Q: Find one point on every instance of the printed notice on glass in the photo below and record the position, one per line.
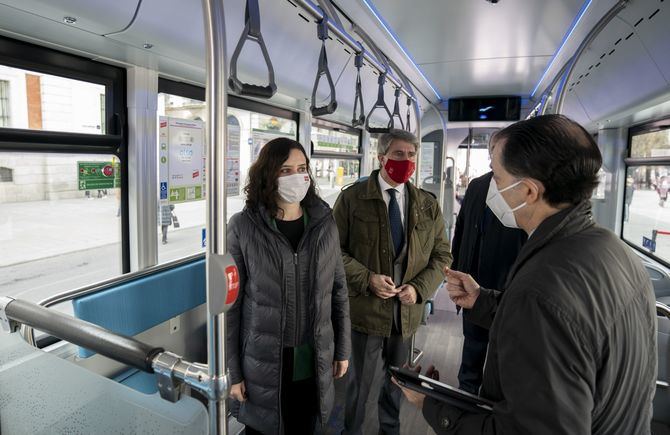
(181, 160)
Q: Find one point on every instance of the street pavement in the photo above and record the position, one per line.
(47, 247)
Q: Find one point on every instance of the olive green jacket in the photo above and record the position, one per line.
(365, 239)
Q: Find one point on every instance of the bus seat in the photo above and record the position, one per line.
(135, 306)
(138, 380)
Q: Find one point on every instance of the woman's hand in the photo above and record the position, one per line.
(238, 392)
(340, 368)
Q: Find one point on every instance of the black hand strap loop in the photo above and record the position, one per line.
(409, 105)
(396, 108)
(380, 104)
(358, 98)
(252, 31)
(331, 107)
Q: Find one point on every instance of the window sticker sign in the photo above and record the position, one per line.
(181, 159)
(98, 175)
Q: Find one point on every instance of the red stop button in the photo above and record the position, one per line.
(232, 283)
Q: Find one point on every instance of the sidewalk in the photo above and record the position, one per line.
(42, 229)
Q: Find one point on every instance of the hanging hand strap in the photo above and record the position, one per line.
(380, 104)
(396, 108)
(409, 105)
(252, 31)
(322, 33)
(358, 99)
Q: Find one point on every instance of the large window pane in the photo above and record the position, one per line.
(37, 101)
(60, 225)
(181, 225)
(647, 210)
(332, 174)
(651, 144)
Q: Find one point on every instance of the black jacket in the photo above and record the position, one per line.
(480, 239)
(573, 343)
(269, 272)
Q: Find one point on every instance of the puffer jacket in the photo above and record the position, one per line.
(269, 271)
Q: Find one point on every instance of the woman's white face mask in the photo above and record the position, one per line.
(293, 188)
(499, 206)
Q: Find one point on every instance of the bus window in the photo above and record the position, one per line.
(646, 220)
(37, 101)
(60, 222)
(181, 220)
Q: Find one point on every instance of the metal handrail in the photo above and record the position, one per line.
(28, 332)
(602, 23)
(348, 40)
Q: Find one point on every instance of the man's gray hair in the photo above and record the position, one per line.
(395, 134)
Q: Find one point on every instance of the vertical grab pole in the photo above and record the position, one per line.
(218, 290)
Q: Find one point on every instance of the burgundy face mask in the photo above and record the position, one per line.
(400, 170)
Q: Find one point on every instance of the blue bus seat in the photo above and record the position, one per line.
(138, 380)
(135, 306)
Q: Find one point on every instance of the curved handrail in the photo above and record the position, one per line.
(331, 107)
(28, 332)
(602, 23)
(252, 31)
(663, 309)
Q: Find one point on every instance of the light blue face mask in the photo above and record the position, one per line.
(498, 205)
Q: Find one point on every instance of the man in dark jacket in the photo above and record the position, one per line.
(573, 341)
(394, 247)
(484, 248)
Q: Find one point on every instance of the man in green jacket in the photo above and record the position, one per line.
(394, 247)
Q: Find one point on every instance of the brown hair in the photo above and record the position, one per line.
(261, 188)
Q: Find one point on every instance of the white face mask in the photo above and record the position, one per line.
(293, 188)
(499, 206)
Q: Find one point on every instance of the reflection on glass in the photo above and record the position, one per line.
(372, 152)
(333, 174)
(646, 210)
(180, 226)
(652, 144)
(60, 225)
(37, 101)
(327, 140)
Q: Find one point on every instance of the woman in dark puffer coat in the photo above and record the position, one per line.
(289, 332)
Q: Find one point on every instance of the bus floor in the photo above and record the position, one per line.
(441, 341)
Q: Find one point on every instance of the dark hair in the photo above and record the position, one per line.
(556, 151)
(261, 188)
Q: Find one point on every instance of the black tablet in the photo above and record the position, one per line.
(441, 391)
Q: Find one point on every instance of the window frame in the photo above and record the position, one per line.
(633, 162)
(23, 55)
(187, 90)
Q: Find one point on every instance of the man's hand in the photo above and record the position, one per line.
(407, 294)
(340, 368)
(383, 286)
(463, 289)
(415, 397)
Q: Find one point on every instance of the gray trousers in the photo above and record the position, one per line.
(365, 353)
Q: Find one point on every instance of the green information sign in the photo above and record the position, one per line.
(98, 175)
